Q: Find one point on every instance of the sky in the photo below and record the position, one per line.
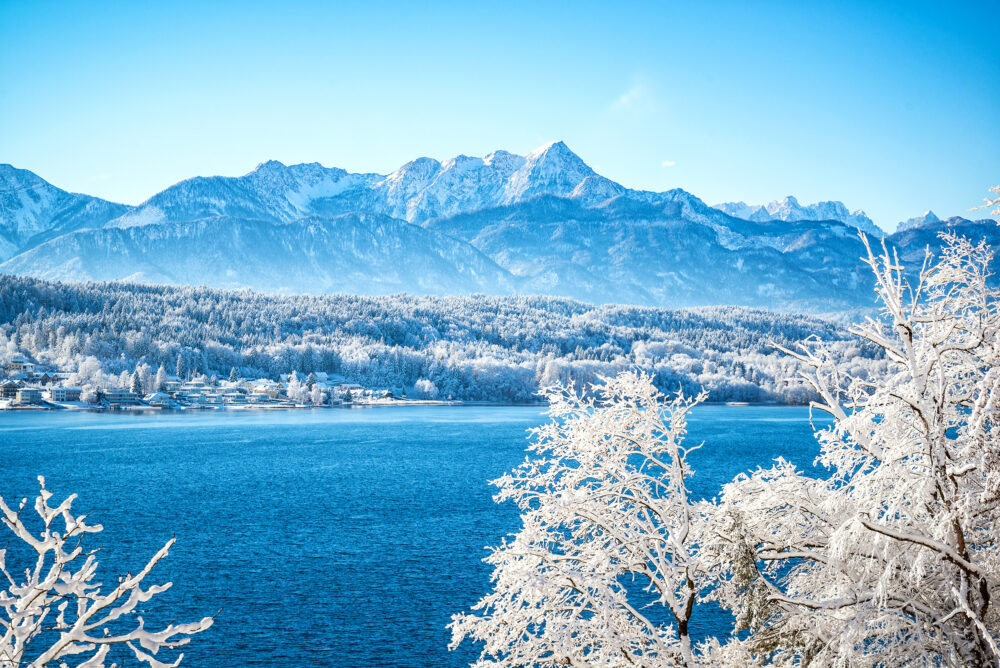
(891, 108)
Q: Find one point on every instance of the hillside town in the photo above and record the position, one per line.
(28, 385)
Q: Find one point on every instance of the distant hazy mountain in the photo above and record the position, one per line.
(33, 210)
(357, 253)
(913, 240)
(789, 210)
(544, 222)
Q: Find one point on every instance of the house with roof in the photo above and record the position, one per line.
(9, 388)
(19, 365)
(159, 399)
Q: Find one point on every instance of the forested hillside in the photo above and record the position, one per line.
(472, 348)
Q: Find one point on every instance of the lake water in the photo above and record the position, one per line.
(329, 537)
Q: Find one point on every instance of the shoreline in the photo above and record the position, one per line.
(240, 408)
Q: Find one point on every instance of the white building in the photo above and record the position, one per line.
(29, 395)
(65, 393)
(121, 397)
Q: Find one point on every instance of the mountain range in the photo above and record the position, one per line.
(544, 222)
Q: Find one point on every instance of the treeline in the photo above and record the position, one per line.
(472, 348)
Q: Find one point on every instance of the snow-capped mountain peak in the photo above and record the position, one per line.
(270, 166)
(551, 169)
(927, 218)
(789, 203)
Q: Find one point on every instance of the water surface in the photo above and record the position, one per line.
(328, 537)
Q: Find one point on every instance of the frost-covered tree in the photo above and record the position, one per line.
(993, 201)
(297, 390)
(894, 558)
(604, 571)
(89, 371)
(54, 611)
(161, 379)
(234, 375)
(317, 396)
(426, 389)
(135, 384)
(88, 393)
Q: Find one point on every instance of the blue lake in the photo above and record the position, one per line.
(329, 537)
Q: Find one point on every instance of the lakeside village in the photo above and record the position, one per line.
(26, 385)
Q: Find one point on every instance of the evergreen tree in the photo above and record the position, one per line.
(135, 385)
(181, 366)
(233, 375)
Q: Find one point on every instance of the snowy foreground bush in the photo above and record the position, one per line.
(892, 558)
(53, 611)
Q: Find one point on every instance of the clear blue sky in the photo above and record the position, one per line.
(891, 108)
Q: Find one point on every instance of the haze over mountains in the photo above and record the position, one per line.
(544, 223)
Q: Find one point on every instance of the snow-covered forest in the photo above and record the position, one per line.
(469, 348)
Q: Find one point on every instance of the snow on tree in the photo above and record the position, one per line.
(426, 389)
(135, 384)
(894, 558)
(297, 390)
(181, 366)
(317, 396)
(145, 374)
(161, 379)
(88, 371)
(992, 201)
(234, 375)
(88, 394)
(53, 609)
(606, 521)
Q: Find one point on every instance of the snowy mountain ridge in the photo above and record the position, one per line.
(418, 191)
(789, 210)
(539, 223)
(32, 210)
